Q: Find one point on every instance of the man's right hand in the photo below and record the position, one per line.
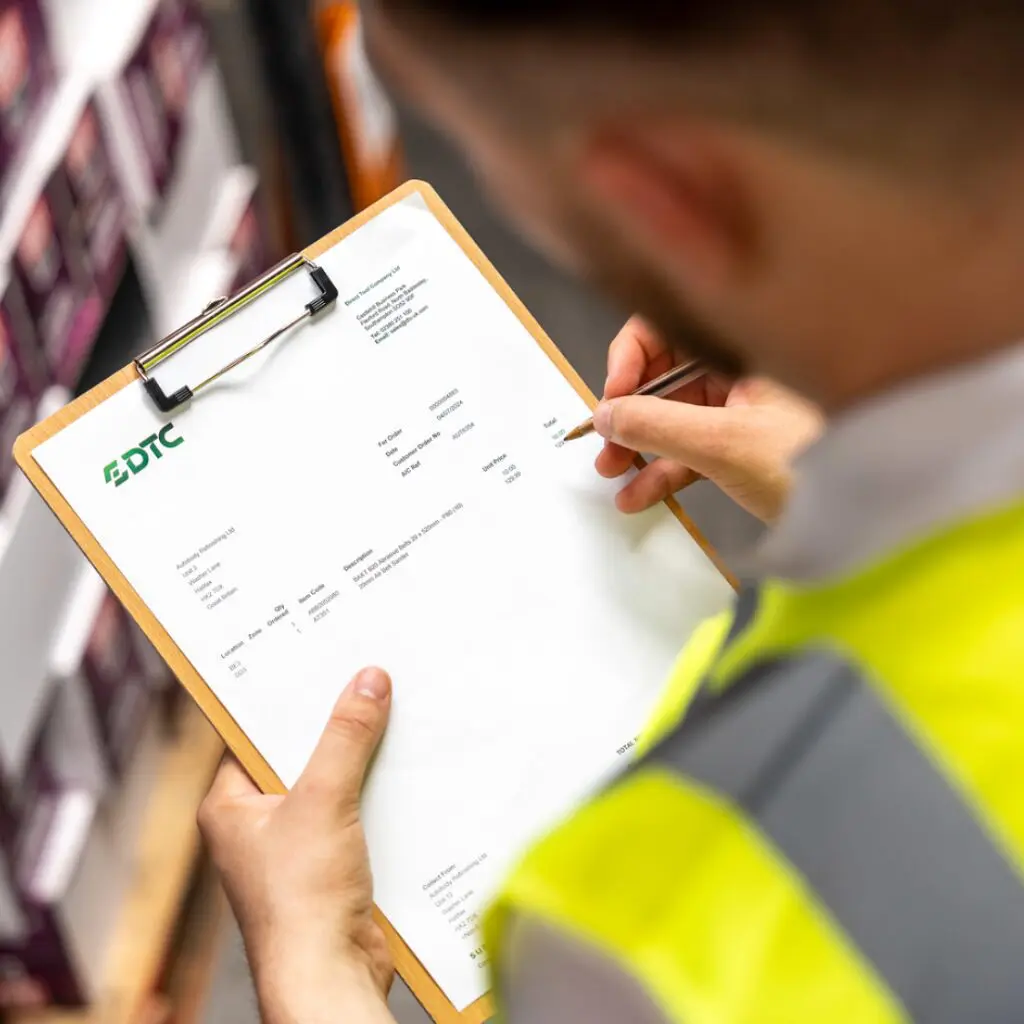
(743, 435)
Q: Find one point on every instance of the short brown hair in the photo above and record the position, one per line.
(960, 61)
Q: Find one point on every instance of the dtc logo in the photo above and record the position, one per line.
(135, 460)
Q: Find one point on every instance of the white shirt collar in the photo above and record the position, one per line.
(901, 466)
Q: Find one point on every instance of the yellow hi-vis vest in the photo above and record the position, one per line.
(832, 830)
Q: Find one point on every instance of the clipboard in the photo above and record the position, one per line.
(409, 967)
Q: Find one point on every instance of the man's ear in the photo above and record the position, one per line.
(673, 191)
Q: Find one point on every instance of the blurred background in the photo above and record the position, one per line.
(154, 155)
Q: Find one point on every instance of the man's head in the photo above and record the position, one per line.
(828, 191)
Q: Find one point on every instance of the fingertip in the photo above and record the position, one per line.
(371, 682)
(613, 460)
(626, 362)
(652, 485)
(621, 381)
(628, 502)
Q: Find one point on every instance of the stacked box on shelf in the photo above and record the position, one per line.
(21, 334)
(51, 265)
(182, 52)
(60, 861)
(235, 227)
(156, 84)
(98, 202)
(17, 405)
(73, 819)
(68, 880)
(169, 91)
(195, 38)
(248, 246)
(120, 692)
(39, 564)
(26, 77)
(68, 901)
(51, 773)
(21, 376)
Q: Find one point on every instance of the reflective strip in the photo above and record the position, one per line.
(939, 625)
(809, 750)
(673, 885)
(687, 674)
(688, 685)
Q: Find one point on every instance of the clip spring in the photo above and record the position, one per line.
(219, 311)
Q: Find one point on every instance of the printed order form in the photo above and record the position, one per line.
(389, 487)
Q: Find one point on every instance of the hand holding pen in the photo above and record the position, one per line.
(743, 435)
(661, 387)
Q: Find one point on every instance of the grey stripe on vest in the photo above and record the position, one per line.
(810, 751)
(551, 977)
(746, 609)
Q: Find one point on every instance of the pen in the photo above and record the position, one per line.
(666, 384)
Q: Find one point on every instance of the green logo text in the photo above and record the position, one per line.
(135, 460)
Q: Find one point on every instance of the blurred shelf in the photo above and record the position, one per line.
(195, 958)
(94, 37)
(104, 37)
(127, 330)
(166, 856)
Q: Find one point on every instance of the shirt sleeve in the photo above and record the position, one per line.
(552, 978)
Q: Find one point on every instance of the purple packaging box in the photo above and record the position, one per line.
(248, 246)
(64, 880)
(146, 659)
(186, 22)
(17, 404)
(35, 967)
(33, 956)
(195, 39)
(119, 689)
(20, 332)
(61, 879)
(158, 82)
(19, 988)
(171, 72)
(66, 755)
(26, 76)
(159, 79)
(146, 104)
(98, 202)
(52, 267)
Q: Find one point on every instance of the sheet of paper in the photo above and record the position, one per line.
(389, 487)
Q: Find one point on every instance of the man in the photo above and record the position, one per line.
(829, 194)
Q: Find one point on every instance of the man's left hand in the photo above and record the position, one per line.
(297, 873)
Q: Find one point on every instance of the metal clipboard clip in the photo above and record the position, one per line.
(219, 311)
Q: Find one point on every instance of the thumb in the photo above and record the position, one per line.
(338, 765)
(698, 436)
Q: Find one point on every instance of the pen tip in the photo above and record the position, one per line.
(581, 431)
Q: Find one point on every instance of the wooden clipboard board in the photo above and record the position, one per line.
(409, 967)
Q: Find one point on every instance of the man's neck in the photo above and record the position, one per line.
(857, 380)
(928, 276)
